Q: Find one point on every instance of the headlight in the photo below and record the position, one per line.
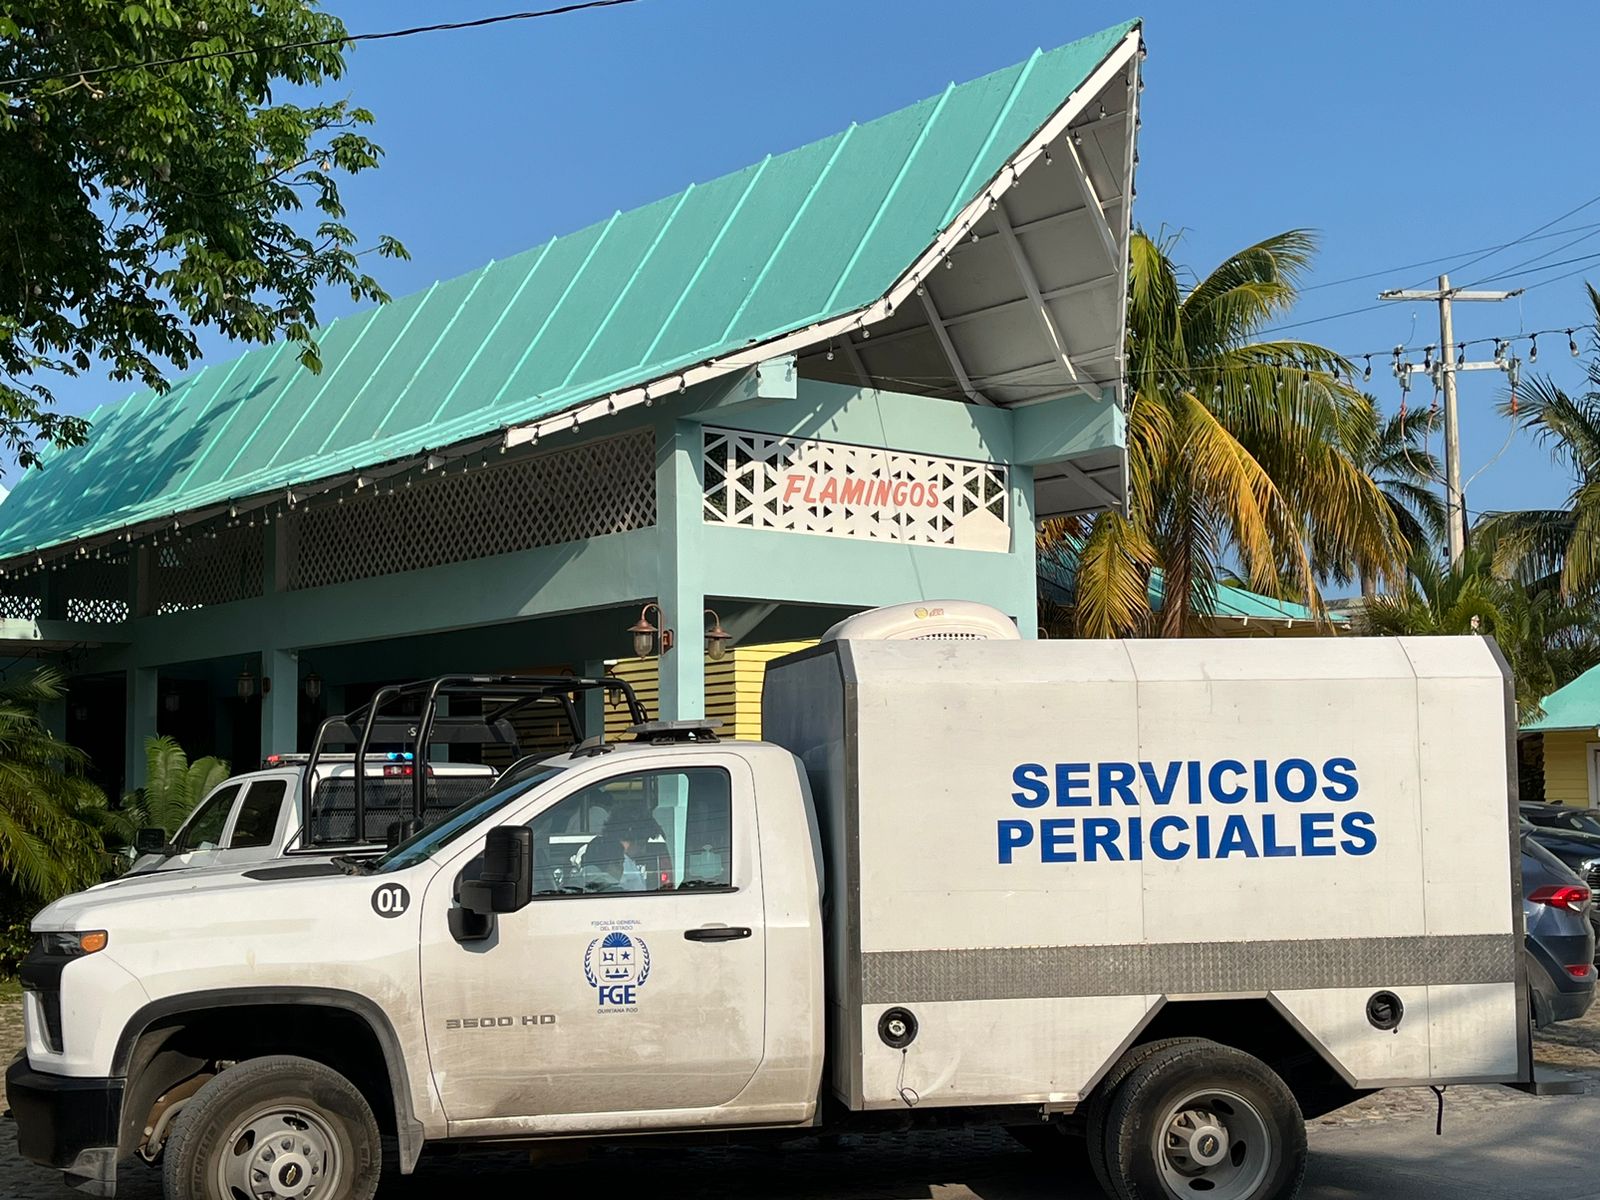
(1588, 866)
(72, 945)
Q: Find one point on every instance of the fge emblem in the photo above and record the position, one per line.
(617, 966)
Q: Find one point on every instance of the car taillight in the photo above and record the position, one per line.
(1581, 970)
(1564, 896)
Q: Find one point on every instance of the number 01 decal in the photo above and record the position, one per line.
(390, 900)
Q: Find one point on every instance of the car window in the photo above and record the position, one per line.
(257, 822)
(647, 831)
(204, 830)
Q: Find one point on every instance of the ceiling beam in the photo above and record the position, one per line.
(1024, 272)
(852, 357)
(1080, 176)
(943, 334)
(1076, 473)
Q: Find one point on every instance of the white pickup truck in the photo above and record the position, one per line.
(313, 803)
(1176, 896)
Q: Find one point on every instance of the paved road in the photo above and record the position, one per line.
(1495, 1145)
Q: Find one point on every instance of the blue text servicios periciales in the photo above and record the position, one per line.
(1310, 830)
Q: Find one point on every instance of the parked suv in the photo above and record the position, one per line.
(1559, 943)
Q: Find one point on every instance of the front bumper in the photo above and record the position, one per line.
(68, 1123)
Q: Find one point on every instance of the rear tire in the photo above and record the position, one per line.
(1203, 1121)
(281, 1123)
(1100, 1100)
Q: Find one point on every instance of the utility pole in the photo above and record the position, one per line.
(1443, 372)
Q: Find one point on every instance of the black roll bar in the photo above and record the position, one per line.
(516, 692)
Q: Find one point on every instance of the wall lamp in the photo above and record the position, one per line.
(245, 684)
(647, 636)
(652, 638)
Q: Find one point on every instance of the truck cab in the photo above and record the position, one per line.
(395, 777)
(255, 817)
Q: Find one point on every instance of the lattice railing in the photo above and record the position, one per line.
(214, 568)
(564, 496)
(799, 486)
(20, 601)
(94, 589)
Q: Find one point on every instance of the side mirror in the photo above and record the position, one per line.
(506, 884)
(150, 840)
(399, 831)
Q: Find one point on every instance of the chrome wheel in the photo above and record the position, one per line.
(1214, 1144)
(279, 1153)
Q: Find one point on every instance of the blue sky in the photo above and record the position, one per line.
(1399, 132)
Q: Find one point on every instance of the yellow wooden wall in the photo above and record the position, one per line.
(733, 688)
(1566, 767)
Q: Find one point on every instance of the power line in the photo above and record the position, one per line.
(1592, 200)
(1425, 262)
(377, 36)
(1511, 270)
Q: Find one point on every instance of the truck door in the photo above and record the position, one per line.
(636, 980)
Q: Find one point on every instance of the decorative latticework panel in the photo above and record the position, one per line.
(218, 567)
(763, 482)
(95, 589)
(564, 496)
(20, 600)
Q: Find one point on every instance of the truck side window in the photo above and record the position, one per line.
(204, 830)
(257, 821)
(649, 831)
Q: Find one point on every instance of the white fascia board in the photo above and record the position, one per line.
(1125, 53)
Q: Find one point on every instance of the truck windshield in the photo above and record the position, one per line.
(414, 849)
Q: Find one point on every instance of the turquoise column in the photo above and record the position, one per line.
(679, 454)
(1024, 552)
(140, 723)
(280, 702)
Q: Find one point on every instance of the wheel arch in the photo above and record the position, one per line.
(150, 1033)
(1260, 1025)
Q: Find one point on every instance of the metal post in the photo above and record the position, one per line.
(1447, 368)
(1454, 504)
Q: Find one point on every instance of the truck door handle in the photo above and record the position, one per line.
(718, 933)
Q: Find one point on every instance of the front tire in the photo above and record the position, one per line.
(1203, 1121)
(275, 1128)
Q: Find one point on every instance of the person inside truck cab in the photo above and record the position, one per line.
(623, 852)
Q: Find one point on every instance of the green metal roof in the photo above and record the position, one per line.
(791, 241)
(1576, 706)
(1235, 602)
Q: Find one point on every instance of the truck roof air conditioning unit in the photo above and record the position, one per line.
(927, 620)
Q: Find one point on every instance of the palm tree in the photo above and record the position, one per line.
(173, 786)
(1393, 452)
(1561, 543)
(49, 812)
(1236, 452)
(1547, 641)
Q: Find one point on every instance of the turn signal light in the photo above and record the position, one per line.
(1568, 897)
(93, 942)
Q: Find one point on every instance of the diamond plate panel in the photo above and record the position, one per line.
(1185, 968)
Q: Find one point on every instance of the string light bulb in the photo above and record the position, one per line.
(1461, 354)
(1366, 375)
(1533, 348)
(1572, 344)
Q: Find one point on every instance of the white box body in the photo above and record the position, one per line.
(1035, 846)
